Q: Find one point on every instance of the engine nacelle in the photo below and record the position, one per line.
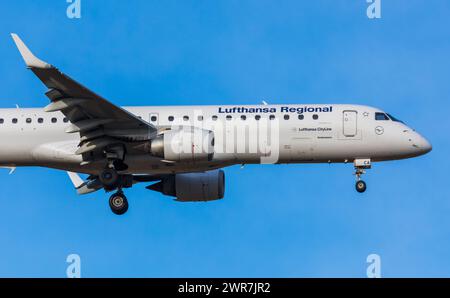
(193, 187)
(187, 144)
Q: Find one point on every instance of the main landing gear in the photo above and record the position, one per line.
(111, 181)
(109, 178)
(118, 203)
(360, 166)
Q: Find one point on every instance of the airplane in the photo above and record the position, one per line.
(180, 150)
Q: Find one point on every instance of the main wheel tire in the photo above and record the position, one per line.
(109, 178)
(118, 203)
(360, 186)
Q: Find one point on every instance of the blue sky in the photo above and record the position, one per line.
(276, 220)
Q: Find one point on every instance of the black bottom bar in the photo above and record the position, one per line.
(227, 287)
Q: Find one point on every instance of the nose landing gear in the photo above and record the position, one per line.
(360, 166)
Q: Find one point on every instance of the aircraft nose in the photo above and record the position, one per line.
(422, 144)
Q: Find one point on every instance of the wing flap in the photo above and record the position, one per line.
(62, 104)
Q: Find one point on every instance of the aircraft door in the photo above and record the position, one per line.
(350, 125)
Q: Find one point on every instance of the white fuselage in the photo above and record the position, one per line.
(301, 133)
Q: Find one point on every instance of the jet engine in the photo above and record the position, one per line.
(187, 144)
(193, 187)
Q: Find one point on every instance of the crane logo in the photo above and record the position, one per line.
(379, 130)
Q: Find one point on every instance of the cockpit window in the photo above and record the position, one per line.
(381, 116)
(394, 119)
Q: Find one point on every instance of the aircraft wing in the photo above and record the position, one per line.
(99, 122)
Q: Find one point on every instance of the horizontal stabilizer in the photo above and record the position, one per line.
(76, 179)
(11, 169)
(84, 187)
(89, 187)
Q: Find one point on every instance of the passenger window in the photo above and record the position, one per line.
(28, 120)
(229, 117)
(243, 117)
(65, 120)
(301, 117)
(286, 117)
(214, 117)
(40, 120)
(381, 116)
(315, 116)
(2, 121)
(54, 120)
(186, 118)
(272, 117)
(170, 118)
(257, 117)
(153, 118)
(200, 118)
(14, 120)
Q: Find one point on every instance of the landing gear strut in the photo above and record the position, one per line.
(118, 203)
(112, 180)
(109, 178)
(360, 166)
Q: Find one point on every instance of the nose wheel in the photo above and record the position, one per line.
(360, 186)
(118, 203)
